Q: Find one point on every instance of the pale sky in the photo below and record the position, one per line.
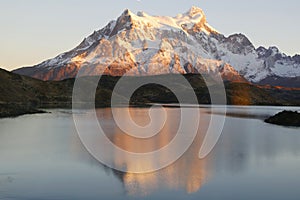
(32, 31)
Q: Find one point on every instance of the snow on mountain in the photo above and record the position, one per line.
(141, 44)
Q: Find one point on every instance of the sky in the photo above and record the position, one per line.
(32, 31)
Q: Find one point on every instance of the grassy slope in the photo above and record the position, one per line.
(22, 90)
(20, 93)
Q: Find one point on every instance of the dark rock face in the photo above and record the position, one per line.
(285, 118)
(190, 69)
(123, 22)
(297, 58)
(239, 44)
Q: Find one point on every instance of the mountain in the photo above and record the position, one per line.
(140, 44)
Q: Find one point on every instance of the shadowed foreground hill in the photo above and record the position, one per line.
(24, 95)
(22, 90)
(21, 94)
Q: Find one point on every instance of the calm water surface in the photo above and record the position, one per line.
(41, 157)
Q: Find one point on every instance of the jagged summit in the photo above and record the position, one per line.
(194, 10)
(127, 14)
(151, 45)
(127, 11)
(194, 20)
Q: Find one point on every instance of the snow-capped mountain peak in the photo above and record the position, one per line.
(150, 45)
(194, 11)
(192, 21)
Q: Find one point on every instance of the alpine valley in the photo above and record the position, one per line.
(142, 45)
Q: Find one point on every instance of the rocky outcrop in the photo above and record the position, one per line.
(285, 118)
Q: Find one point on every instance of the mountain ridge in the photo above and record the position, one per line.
(152, 45)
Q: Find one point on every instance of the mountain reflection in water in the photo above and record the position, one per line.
(188, 173)
(45, 151)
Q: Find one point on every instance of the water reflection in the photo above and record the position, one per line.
(41, 157)
(188, 173)
(239, 149)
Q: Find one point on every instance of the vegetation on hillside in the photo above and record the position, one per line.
(21, 93)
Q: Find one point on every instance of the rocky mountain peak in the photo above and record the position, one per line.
(124, 22)
(274, 49)
(155, 45)
(297, 58)
(194, 11)
(239, 39)
(192, 21)
(196, 19)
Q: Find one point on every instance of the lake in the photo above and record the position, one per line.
(42, 157)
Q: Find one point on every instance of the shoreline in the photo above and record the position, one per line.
(16, 110)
